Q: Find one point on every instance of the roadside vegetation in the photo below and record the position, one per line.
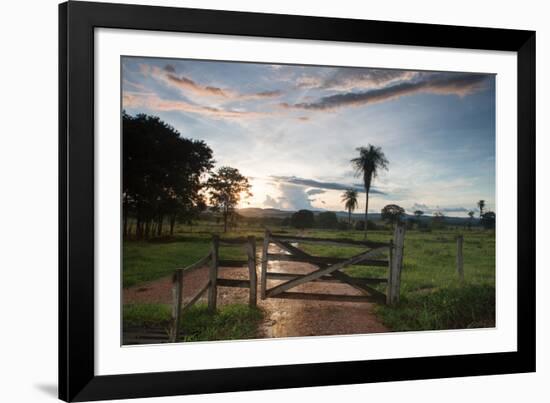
(229, 322)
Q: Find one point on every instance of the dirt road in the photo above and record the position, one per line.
(283, 318)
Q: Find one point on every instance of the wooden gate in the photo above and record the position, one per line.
(329, 269)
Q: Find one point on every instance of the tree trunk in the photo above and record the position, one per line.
(159, 226)
(125, 219)
(366, 212)
(138, 227)
(172, 224)
(349, 217)
(147, 228)
(224, 220)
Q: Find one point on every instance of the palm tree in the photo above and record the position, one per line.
(471, 215)
(371, 159)
(418, 214)
(349, 197)
(481, 205)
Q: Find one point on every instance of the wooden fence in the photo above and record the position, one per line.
(329, 268)
(212, 259)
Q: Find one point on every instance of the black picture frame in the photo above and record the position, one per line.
(77, 21)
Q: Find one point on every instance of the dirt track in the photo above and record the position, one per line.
(284, 318)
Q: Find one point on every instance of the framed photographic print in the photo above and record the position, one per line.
(258, 201)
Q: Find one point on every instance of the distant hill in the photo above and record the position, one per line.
(256, 212)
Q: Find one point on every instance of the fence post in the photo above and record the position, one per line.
(213, 289)
(177, 286)
(390, 266)
(396, 264)
(264, 264)
(251, 252)
(460, 257)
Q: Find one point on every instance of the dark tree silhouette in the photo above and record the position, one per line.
(488, 220)
(161, 173)
(371, 159)
(481, 205)
(226, 187)
(302, 219)
(349, 197)
(392, 213)
(471, 215)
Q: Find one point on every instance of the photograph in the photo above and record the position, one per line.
(264, 200)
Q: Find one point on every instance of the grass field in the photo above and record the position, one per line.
(431, 296)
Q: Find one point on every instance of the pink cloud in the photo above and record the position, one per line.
(154, 103)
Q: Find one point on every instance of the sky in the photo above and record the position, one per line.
(293, 129)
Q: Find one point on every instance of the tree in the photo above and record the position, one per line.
(392, 213)
(302, 219)
(161, 173)
(328, 219)
(371, 159)
(417, 215)
(471, 215)
(226, 186)
(488, 220)
(438, 220)
(349, 197)
(481, 205)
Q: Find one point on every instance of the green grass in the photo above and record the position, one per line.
(230, 322)
(470, 306)
(431, 296)
(147, 261)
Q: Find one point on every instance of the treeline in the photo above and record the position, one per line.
(303, 219)
(161, 177)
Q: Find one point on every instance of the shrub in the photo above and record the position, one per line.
(327, 219)
(360, 225)
(302, 219)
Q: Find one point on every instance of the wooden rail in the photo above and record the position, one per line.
(326, 279)
(328, 297)
(329, 241)
(324, 260)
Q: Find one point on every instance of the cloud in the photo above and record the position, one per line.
(263, 94)
(429, 210)
(348, 78)
(321, 185)
(293, 198)
(168, 76)
(188, 84)
(137, 86)
(460, 84)
(155, 103)
(312, 192)
(274, 203)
